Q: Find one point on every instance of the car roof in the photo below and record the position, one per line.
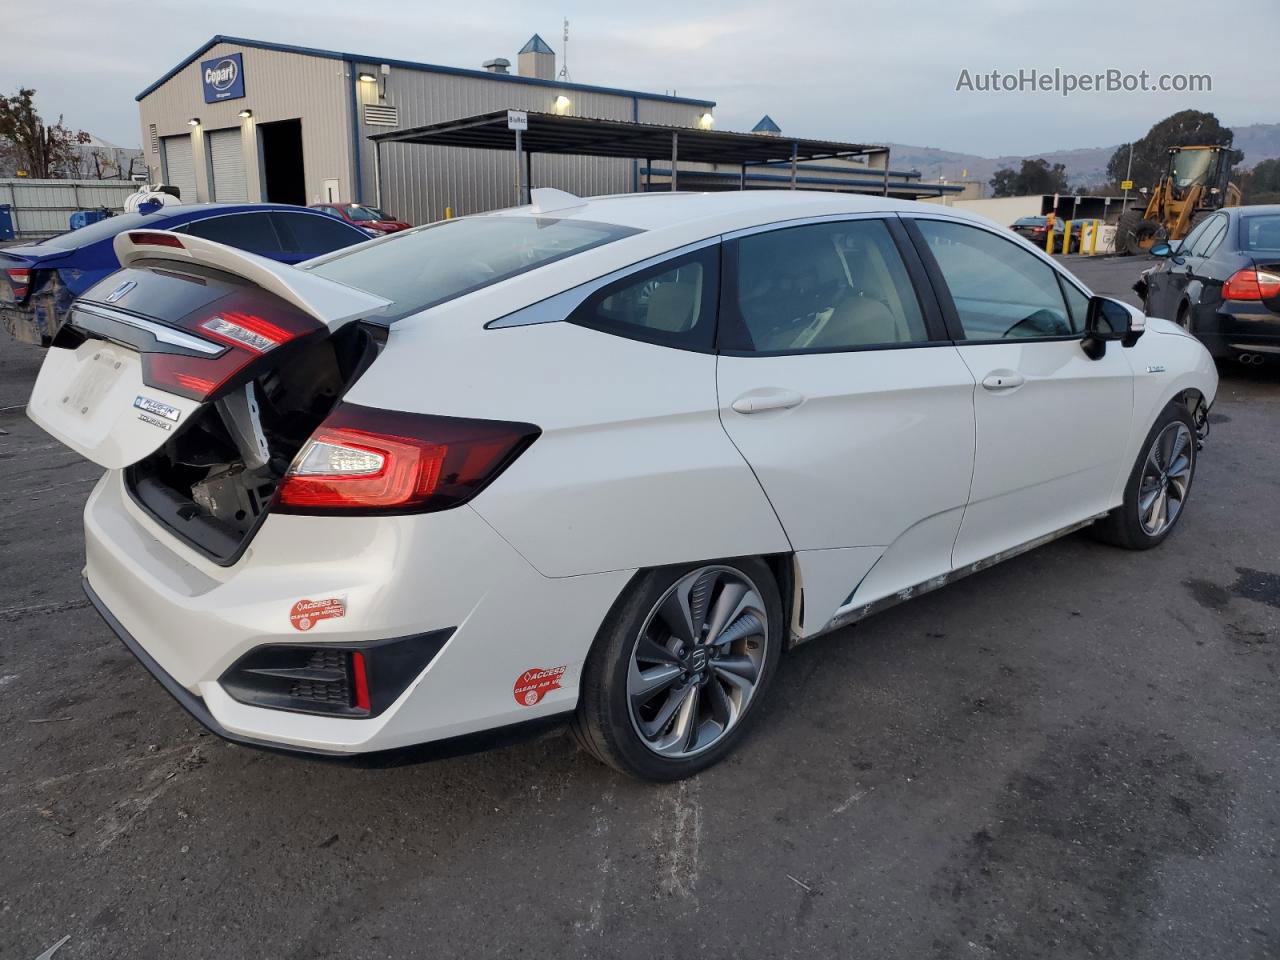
(1264, 208)
(732, 209)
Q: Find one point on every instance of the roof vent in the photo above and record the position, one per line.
(537, 59)
(497, 65)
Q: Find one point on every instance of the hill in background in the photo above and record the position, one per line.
(1085, 165)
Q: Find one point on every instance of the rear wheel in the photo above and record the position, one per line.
(1159, 484)
(678, 666)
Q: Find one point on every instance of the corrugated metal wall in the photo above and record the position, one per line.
(419, 182)
(42, 208)
(278, 86)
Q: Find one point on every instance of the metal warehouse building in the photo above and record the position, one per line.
(246, 120)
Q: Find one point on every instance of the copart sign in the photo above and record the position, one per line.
(223, 78)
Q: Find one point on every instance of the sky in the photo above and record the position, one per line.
(872, 71)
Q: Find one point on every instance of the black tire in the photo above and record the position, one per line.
(603, 724)
(1184, 317)
(1136, 236)
(1122, 526)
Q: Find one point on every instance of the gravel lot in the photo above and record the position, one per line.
(1070, 755)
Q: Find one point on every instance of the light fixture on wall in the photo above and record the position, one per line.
(246, 114)
(193, 122)
(368, 78)
(706, 121)
(562, 104)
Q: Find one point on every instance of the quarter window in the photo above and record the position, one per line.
(822, 287)
(1000, 290)
(672, 303)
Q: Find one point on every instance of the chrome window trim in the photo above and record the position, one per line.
(162, 333)
(561, 305)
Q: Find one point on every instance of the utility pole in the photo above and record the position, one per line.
(1128, 178)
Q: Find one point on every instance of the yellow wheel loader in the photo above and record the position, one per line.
(1195, 186)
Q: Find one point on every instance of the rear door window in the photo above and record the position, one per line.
(246, 231)
(821, 287)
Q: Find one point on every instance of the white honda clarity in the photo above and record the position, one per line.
(598, 460)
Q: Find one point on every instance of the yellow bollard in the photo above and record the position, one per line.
(1066, 237)
(1093, 237)
(448, 213)
(1048, 239)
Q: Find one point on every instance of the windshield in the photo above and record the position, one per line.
(1262, 233)
(420, 268)
(104, 229)
(1191, 167)
(357, 212)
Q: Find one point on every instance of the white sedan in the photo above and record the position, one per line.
(592, 460)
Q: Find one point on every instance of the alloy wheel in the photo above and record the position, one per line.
(1166, 478)
(697, 661)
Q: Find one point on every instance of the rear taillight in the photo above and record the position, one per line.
(366, 460)
(247, 330)
(20, 280)
(1251, 284)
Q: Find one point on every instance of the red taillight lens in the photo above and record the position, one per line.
(1251, 284)
(20, 280)
(366, 460)
(245, 324)
(140, 238)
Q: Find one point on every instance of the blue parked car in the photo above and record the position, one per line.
(41, 279)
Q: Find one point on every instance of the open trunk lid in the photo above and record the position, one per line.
(188, 323)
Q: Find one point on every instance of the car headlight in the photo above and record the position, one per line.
(371, 232)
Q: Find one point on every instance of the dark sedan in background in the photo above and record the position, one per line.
(38, 281)
(1222, 283)
(1036, 228)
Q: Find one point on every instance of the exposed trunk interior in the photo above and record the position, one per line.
(213, 483)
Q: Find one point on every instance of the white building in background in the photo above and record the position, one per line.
(247, 120)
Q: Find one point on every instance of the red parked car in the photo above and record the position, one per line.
(369, 219)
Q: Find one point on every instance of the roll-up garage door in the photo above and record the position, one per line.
(226, 167)
(179, 166)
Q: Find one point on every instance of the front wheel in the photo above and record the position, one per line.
(1155, 496)
(678, 667)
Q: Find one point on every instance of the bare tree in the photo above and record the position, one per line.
(42, 150)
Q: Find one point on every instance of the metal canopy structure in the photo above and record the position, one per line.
(552, 133)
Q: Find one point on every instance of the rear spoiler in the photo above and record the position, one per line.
(330, 302)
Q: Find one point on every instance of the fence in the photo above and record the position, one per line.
(42, 208)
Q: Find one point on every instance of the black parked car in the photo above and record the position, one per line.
(1035, 229)
(1222, 283)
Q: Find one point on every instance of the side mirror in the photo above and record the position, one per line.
(1161, 249)
(1109, 320)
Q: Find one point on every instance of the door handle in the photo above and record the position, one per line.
(769, 398)
(1003, 380)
